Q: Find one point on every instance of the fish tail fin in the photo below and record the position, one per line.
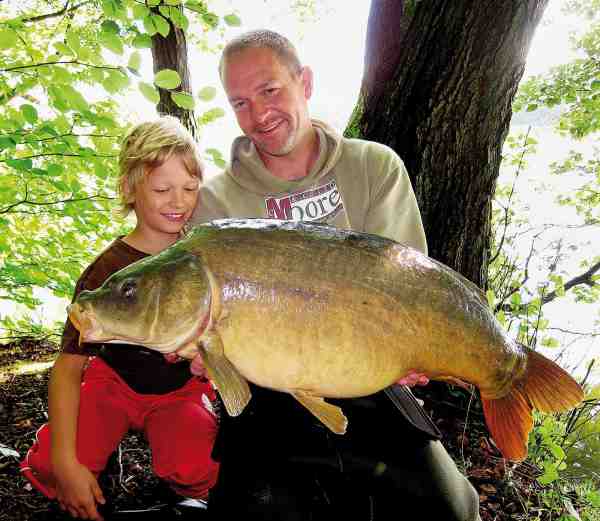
(546, 387)
(509, 421)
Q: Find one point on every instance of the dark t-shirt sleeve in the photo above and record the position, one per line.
(115, 257)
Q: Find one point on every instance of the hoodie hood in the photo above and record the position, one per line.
(249, 172)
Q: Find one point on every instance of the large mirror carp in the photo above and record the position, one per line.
(320, 312)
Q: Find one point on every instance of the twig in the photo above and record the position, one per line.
(66, 9)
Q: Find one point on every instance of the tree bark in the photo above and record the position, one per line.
(171, 53)
(445, 108)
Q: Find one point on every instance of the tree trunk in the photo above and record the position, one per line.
(442, 100)
(171, 53)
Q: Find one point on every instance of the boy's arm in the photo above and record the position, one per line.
(76, 487)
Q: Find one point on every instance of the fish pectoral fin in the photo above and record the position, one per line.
(455, 381)
(188, 351)
(232, 386)
(330, 415)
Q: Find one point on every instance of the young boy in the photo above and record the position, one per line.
(91, 407)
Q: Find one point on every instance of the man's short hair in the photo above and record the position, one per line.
(146, 147)
(261, 39)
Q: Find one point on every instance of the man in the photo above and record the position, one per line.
(276, 461)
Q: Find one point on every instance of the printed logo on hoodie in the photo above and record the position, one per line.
(315, 204)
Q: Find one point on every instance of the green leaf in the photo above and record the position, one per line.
(111, 41)
(140, 11)
(63, 49)
(172, 2)
(135, 61)
(210, 115)
(557, 451)
(491, 297)
(150, 25)
(73, 41)
(216, 157)
(183, 100)
(111, 8)
(62, 75)
(197, 7)
(110, 27)
(232, 20)
(550, 342)
(167, 79)
(217, 112)
(54, 169)
(8, 38)
(149, 92)
(550, 475)
(29, 113)
(161, 24)
(515, 300)
(210, 19)
(74, 99)
(7, 142)
(178, 18)
(20, 164)
(207, 93)
(115, 81)
(142, 41)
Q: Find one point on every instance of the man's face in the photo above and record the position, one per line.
(270, 101)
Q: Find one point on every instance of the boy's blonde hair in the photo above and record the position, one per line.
(147, 146)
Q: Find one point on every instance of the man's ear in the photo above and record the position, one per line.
(307, 81)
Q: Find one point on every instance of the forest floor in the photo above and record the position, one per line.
(507, 492)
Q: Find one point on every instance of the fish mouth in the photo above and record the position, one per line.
(89, 329)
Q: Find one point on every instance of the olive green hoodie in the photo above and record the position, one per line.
(354, 184)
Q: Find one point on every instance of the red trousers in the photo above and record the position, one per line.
(179, 429)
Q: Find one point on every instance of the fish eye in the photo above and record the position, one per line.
(128, 288)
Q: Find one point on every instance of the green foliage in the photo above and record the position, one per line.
(167, 79)
(575, 85)
(207, 93)
(586, 197)
(65, 70)
(564, 447)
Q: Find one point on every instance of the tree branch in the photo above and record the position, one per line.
(68, 62)
(60, 136)
(66, 9)
(108, 156)
(584, 278)
(25, 201)
(506, 220)
(569, 332)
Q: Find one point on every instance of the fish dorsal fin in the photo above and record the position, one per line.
(232, 386)
(330, 415)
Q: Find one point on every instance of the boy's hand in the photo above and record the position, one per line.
(78, 492)
(197, 367)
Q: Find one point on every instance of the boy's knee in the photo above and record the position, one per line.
(36, 466)
(191, 478)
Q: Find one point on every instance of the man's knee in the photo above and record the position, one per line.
(453, 488)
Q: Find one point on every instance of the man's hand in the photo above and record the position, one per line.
(197, 367)
(78, 492)
(413, 378)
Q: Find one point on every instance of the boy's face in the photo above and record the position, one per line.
(269, 101)
(165, 199)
